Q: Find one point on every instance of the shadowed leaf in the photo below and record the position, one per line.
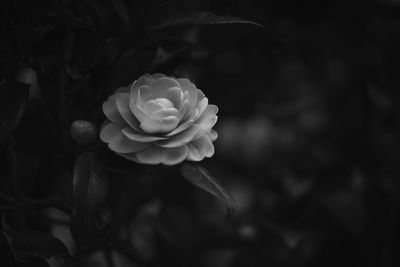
(90, 183)
(6, 254)
(90, 217)
(13, 97)
(26, 243)
(122, 10)
(201, 18)
(87, 50)
(200, 177)
(34, 262)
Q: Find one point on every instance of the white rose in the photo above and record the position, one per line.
(160, 119)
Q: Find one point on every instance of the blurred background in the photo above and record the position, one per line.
(309, 132)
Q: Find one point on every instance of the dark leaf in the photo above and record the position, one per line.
(103, 16)
(68, 16)
(122, 11)
(89, 230)
(90, 217)
(27, 243)
(34, 262)
(87, 50)
(201, 18)
(13, 97)
(90, 183)
(200, 177)
(129, 67)
(6, 254)
(121, 211)
(172, 53)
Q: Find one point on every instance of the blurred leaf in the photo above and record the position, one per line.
(13, 97)
(34, 262)
(172, 53)
(27, 243)
(129, 67)
(201, 18)
(36, 117)
(120, 213)
(90, 183)
(122, 11)
(200, 177)
(68, 16)
(89, 230)
(87, 50)
(90, 217)
(6, 254)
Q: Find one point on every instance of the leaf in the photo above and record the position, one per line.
(87, 50)
(27, 243)
(120, 213)
(89, 230)
(172, 53)
(130, 66)
(122, 10)
(201, 18)
(90, 183)
(34, 262)
(13, 98)
(6, 254)
(200, 177)
(90, 216)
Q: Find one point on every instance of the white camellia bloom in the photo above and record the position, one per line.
(160, 119)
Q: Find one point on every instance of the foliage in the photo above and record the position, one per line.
(308, 145)
(70, 55)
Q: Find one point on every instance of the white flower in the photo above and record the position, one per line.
(160, 119)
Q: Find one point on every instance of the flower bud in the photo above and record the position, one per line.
(83, 132)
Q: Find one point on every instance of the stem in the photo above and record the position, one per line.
(12, 161)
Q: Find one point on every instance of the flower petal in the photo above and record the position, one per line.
(181, 138)
(111, 112)
(175, 95)
(141, 94)
(205, 125)
(152, 106)
(181, 127)
(125, 145)
(110, 132)
(200, 96)
(158, 126)
(209, 111)
(201, 106)
(194, 154)
(130, 156)
(167, 156)
(200, 148)
(122, 103)
(147, 79)
(139, 137)
(159, 87)
(161, 114)
(190, 88)
(137, 111)
(213, 135)
(176, 155)
(123, 90)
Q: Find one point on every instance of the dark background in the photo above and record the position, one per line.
(308, 129)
